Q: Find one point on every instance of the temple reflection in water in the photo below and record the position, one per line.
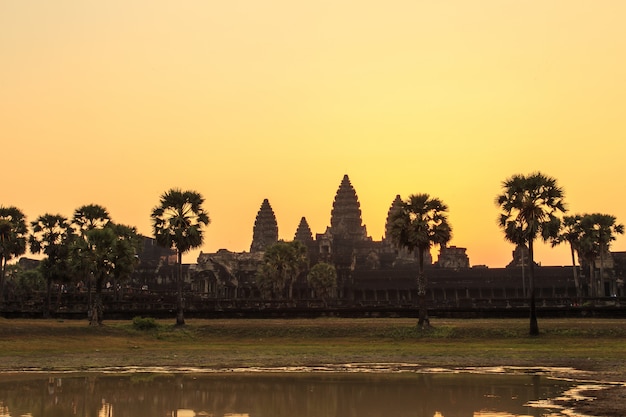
(275, 395)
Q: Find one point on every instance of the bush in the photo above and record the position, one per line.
(144, 323)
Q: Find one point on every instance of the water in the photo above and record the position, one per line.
(277, 395)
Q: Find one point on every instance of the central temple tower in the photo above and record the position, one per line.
(265, 231)
(345, 217)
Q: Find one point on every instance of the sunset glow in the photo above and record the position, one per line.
(115, 102)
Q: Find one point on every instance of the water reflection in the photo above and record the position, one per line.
(276, 395)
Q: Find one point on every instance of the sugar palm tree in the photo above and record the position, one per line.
(589, 249)
(51, 235)
(571, 232)
(418, 224)
(124, 255)
(529, 206)
(90, 216)
(597, 232)
(607, 231)
(13, 237)
(85, 219)
(100, 242)
(178, 223)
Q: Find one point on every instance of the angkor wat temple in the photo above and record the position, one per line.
(374, 277)
(376, 271)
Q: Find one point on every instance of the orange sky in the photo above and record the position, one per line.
(114, 102)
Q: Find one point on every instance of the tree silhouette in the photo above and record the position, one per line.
(178, 223)
(529, 205)
(418, 224)
(51, 234)
(13, 237)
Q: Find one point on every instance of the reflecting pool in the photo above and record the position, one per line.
(276, 394)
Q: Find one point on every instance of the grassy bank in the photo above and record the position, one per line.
(588, 344)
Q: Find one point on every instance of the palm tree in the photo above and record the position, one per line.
(13, 236)
(51, 235)
(85, 219)
(90, 216)
(529, 205)
(124, 256)
(106, 252)
(571, 232)
(283, 262)
(178, 223)
(100, 243)
(323, 280)
(418, 224)
(589, 249)
(607, 232)
(597, 232)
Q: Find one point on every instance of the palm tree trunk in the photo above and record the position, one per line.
(423, 321)
(575, 272)
(46, 309)
(592, 286)
(601, 291)
(96, 308)
(534, 327)
(2, 275)
(180, 316)
(89, 298)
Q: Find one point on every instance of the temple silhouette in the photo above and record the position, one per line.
(374, 277)
(371, 270)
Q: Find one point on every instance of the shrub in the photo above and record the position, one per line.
(144, 323)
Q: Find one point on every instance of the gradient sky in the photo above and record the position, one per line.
(115, 102)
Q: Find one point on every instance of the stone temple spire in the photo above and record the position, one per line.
(303, 234)
(345, 217)
(395, 206)
(265, 232)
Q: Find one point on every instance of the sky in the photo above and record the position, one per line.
(115, 102)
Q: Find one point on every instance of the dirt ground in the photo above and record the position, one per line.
(610, 402)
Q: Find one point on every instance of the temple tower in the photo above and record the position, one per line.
(304, 234)
(395, 206)
(265, 232)
(345, 217)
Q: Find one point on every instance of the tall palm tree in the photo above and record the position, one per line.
(418, 224)
(100, 243)
(529, 206)
(178, 222)
(85, 219)
(13, 236)
(51, 235)
(589, 249)
(90, 216)
(597, 232)
(124, 255)
(607, 232)
(571, 232)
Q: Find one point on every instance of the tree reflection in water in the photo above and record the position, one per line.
(276, 395)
